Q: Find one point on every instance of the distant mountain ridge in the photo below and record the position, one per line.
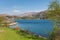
(33, 15)
(28, 15)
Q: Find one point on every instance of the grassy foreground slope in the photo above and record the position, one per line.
(9, 34)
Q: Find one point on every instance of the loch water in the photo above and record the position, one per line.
(38, 27)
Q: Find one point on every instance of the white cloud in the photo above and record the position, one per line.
(16, 11)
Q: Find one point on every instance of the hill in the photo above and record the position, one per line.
(33, 15)
(9, 34)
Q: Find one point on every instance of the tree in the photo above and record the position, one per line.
(1, 19)
(54, 10)
(54, 14)
(3, 22)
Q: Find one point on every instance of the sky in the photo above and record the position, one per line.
(23, 6)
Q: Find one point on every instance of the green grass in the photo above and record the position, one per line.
(9, 34)
(28, 35)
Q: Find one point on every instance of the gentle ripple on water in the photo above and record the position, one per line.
(39, 27)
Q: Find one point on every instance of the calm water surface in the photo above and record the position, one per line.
(39, 27)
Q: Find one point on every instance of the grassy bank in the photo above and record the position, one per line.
(30, 35)
(9, 34)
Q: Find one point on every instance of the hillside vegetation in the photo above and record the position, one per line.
(9, 34)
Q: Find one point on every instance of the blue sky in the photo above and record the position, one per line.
(22, 6)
